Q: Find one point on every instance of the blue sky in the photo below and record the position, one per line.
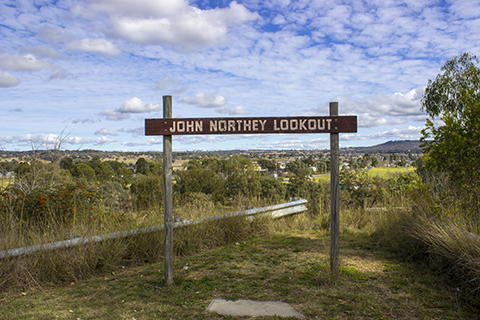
(87, 73)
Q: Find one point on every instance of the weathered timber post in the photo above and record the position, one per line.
(167, 194)
(334, 196)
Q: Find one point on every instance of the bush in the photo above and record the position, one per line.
(54, 204)
(147, 191)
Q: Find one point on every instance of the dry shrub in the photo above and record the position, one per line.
(439, 235)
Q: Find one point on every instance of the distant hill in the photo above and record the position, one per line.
(399, 146)
(402, 146)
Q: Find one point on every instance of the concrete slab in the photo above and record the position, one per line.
(252, 308)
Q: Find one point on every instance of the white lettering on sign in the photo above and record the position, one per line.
(252, 125)
(187, 126)
(302, 124)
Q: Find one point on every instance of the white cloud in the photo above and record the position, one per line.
(373, 110)
(204, 100)
(26, 62)
(105, 132)
(171, 22)
(114, 115)
(8, 80)
(279, 19)
(239, 110)
(102, 141)
(140, 131)
(40, 140)
(40, 50)
(136, 105)
(411, 132)
(93, 46)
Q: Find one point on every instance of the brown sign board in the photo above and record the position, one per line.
(256, 125)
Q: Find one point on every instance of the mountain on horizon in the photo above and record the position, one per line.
(398, 146)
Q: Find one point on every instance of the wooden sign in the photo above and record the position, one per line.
(167, 127)
(184, 126)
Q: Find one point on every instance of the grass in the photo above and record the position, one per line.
(4, 182)
(289, 266)
(382, 172)
(385, 172)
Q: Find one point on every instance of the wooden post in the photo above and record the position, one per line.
(167, 194)
(334, 197)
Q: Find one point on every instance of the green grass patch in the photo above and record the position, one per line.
(4, 182)
(384, 172)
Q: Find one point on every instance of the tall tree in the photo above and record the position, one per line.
(452, 145)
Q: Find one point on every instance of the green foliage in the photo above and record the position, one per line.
(22, 169)
(124, 175)
(272, 189)
(95, 162)
(266, 164)
(155, 168)
(67, 163)
(141, 165)
(460, 76)
(299, 168)
(453, 147)
(104, 172)
(147, 191)
(197, 179)
(360, 190)
(83, 170)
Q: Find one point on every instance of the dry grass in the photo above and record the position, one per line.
(81, 262)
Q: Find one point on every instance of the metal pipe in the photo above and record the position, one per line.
(276, 211)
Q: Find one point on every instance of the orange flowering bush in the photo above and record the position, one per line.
(61, 203)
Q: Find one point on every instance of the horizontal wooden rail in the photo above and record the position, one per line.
(275, 211)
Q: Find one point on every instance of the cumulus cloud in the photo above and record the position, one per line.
(373, 110)
(40, 140)
(26, 62)
(140, 131)
(102, 141)
(172, 22)
(411, 132)
(41, 51)
(93, 46)
(8, 80)
(204, 100)
(105, 132)
(239, 110)
(114, 115)
(134, 105)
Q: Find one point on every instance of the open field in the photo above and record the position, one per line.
(382, 172)
(290, 266)
(4, 182)
(385, 172)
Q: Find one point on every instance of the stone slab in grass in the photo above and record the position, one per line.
(252, 308)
